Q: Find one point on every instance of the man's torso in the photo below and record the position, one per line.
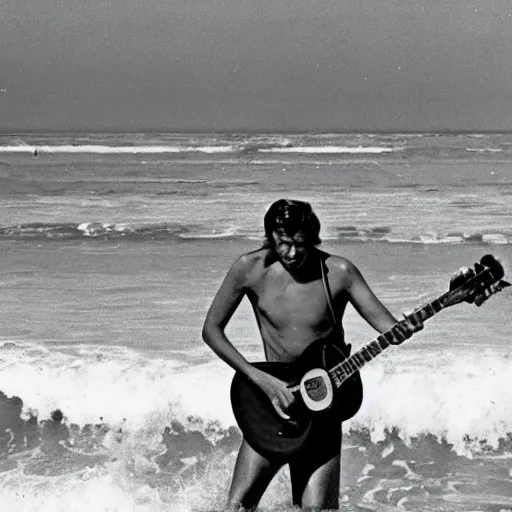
(291, 314)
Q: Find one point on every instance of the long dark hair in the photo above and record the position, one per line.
(291, 216)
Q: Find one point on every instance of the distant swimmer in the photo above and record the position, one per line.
(35, 152)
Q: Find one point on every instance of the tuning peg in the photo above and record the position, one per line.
(484, 294)
(479, 268)
(496, 268)
(497, 287)
(488, 260)
(460, 277)
(480, 299)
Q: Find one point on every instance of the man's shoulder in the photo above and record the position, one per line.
(249, 267)
(337, 263)
(340, 269)
(252, 260)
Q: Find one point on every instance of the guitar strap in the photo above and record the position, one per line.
(327, 289)
(339, 334)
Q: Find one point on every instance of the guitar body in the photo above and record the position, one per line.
(268, 433)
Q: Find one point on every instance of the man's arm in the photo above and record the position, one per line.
(373, 311)
(225, 302)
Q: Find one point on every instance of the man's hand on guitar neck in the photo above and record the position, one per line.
(405, 328)
(277, 391)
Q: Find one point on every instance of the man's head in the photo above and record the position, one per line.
(291, 230)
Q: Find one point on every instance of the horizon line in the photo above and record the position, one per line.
(445, 131)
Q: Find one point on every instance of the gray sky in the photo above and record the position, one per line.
(255, 65)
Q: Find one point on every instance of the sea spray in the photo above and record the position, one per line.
(453, 396)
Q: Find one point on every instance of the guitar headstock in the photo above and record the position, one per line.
(476, 285)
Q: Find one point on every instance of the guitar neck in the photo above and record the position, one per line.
(342, 371)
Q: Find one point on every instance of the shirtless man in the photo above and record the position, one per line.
(283, 282)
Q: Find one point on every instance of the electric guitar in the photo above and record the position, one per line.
(326, 376)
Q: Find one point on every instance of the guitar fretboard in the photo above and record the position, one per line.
(342, 371)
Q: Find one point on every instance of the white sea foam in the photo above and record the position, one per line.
(485, 150)
(219, 229)
(453, 395)
(496, 238)
(100, 149)
(115, 383)
(210, 149)
(225, 232)
(90, 491)
(329, 149)
(95, 228)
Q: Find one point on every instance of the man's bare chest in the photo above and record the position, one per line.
(284, 301)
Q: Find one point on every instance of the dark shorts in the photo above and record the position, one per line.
(324, 440)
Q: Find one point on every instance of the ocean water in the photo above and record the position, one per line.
(111, 248)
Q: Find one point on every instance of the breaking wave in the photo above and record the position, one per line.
(459, 395)
(180, 232)
(141, 434)
(110, 231)
(214, 149)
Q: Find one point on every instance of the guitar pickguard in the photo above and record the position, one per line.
(316, 390)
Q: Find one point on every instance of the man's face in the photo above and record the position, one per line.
(291, 250)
